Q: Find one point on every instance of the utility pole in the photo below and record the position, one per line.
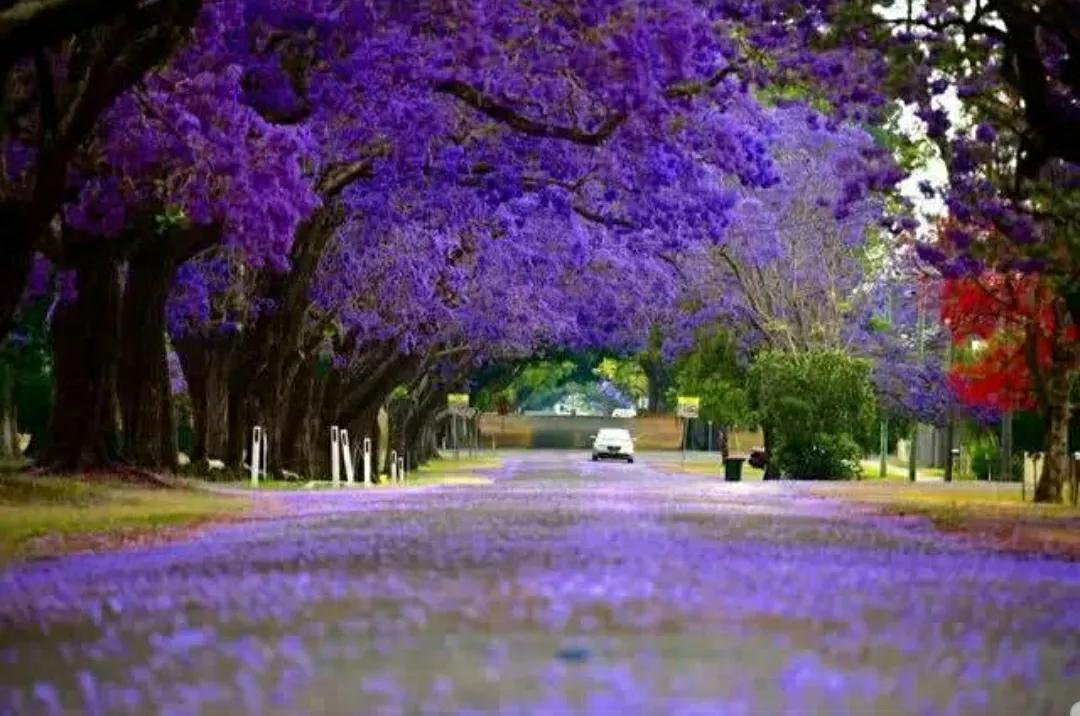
(1006, 446)
(883, 468)
(950, 424)
(913, 452)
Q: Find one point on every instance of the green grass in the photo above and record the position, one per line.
(10, 465)
(449, 464)
(450, 471)
(71, 510)
(440, 471)
(871, 469)
(697, 464)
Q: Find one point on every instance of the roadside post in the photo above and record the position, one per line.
(346, 455)
(335, 456)
(401, 468)
(393, 466)
(256, 454)
(367, 462)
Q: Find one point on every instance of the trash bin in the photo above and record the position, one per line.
(733, 469)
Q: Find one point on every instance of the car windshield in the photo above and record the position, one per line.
(613, 434)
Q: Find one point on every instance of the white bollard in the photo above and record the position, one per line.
(256, 454)
(367, 461)
(346, 455)
(265, 455)
(335, 456)
(401, 469)
(393, 466)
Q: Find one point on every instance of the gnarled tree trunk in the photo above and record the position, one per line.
(84, 429)
(205, 361)
(144, 389)
(9, 429)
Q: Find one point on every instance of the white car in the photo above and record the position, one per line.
(624, 413)
(613, 442)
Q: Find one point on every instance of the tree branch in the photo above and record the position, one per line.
(502, 113)
(693, 88)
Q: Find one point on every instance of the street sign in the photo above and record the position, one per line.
(688, 406)
(458, 403)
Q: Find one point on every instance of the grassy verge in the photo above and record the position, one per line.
(40, 516)
(440, 471)
(993, 512)
(697, 464)
(12, 465)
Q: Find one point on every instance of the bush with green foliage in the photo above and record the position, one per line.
(821, 456)
(817, 406)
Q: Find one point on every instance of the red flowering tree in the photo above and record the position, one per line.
(1027, 356)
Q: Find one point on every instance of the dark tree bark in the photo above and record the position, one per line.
(772, 472)
(9, 428)
(144, 390)
(205, 362)
(297, 451)
(1056, 462)
(86, 338)
(419, 430)
(18, 253)
(240, 420)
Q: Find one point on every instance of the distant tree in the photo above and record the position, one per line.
(1028, 356)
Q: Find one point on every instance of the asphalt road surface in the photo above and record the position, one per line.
(565, 586)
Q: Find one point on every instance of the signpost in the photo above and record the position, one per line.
(687, 407)
(457, 405)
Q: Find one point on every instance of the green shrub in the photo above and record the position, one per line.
(817, 405)
(823, 457)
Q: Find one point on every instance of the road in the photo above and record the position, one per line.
(563, 587)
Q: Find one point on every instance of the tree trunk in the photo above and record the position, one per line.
(772, 472)
(145, 395)
(239, 425)
(205, 362)
(9, 428)
(84, 430)
(296, 439)
(1055, 472)
(18, 254)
